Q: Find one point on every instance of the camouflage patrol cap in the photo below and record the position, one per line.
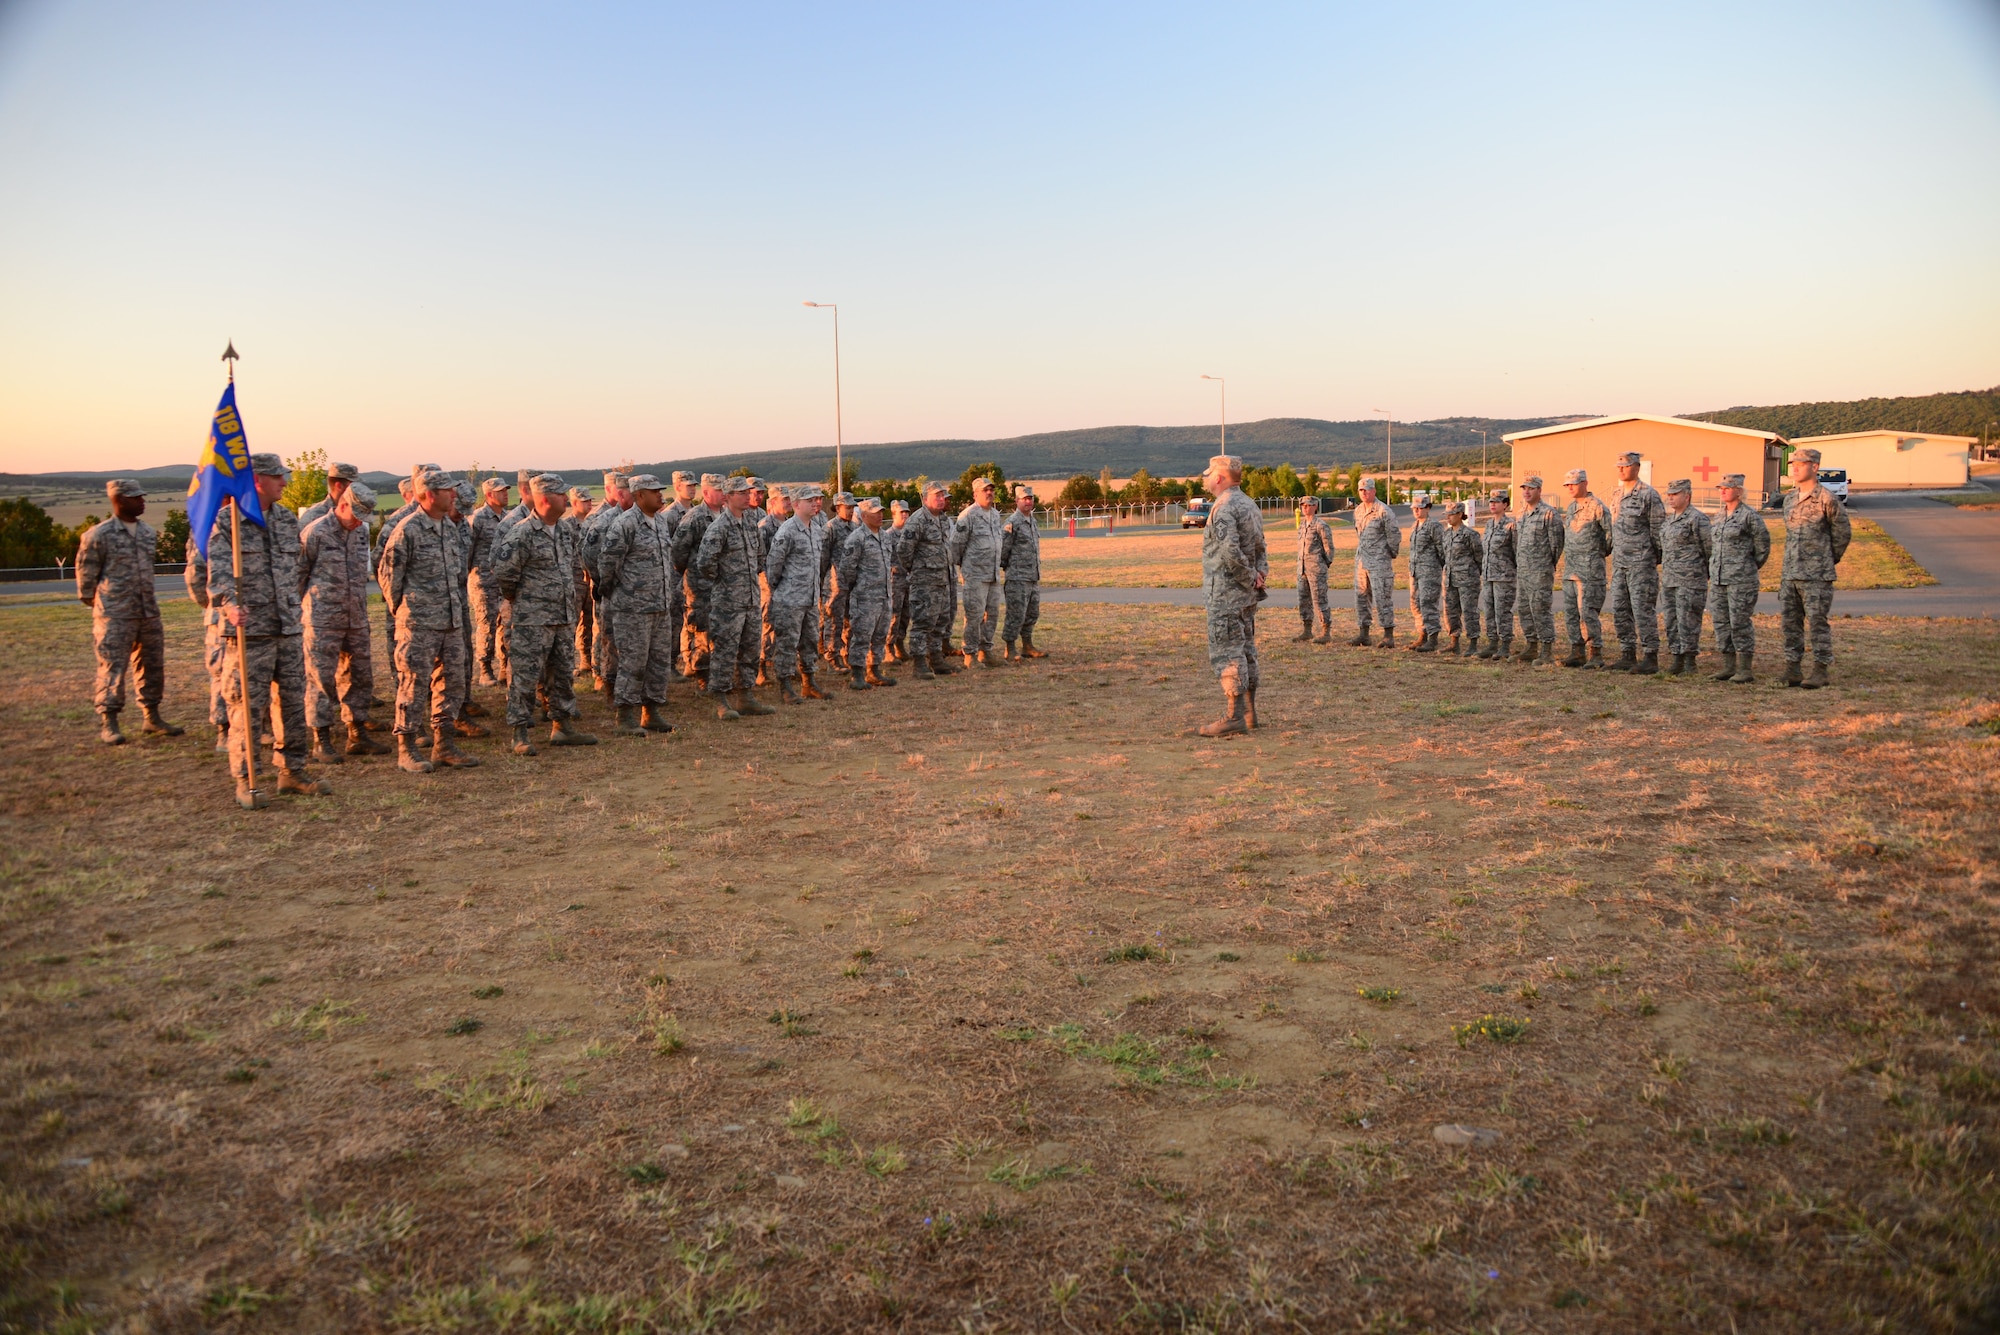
(683, 476)
(1532, 480)
(1312, 501)
(1420, 500)
(1225, 463)
(1680, 484)
(935, 485)
(808, 491)
(407, 486)
(548, 484)
(716, 480)
(644, 482)
(1499, 496)
(493, 484)
(736, 486)
(362, 497)
(982, 481)
(899, 505)
(578, 496)
(1574, 476)
(1733, 480)
(1810, 456)
(124, 487)
(342, 473)
(758, 483)
(522, 476)
(467, 497)
(1365, 484)
(269, 465)
(1455, 508)
(435, 479)
(869, 503)
(614, 481)
(1630, 458)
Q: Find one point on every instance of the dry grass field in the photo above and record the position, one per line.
(1002, 1004)
(1173, 560)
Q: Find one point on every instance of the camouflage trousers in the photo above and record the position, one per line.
(734, 634)
(646, 664)
(1635, 594)
(123, 643)
(1496, 608)
(1803, 608)
(983, 601)
(794, 638)
(1024, 608)
(215, 647)
(430, 677)
(696, 645)
(1461, 605)
(833, 623)
(676, 622)
(1375, 595)
(868, 630)
(541, 657)
(489, 629)
(466, 636)
(340, 675)
(899, 619)
(1538, 608)
(272, 661)
(1583, 610)
(767, 638)
(604, 642)
(1426, 598)
(1683, 607)
(951, 607)
(930, 612)
(1735, 605)
(1314, 597)
(1232, 648)
(586, 632)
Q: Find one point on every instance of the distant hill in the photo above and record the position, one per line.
(1965, 413)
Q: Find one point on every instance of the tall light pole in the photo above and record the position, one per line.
(1389, 458)
(839, 474)
(1223, 385)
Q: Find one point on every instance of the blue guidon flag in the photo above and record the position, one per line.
(222, 474)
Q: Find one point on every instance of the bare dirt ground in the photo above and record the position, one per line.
(999, 1004)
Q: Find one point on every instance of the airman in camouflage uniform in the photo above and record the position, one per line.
(1538, 545)
(487, 607)
(213, 642)
(635, 575)
(1637, 517)
(1377, 541)
(1315, 560)
(604, 646)
(1234, 568)
(537, 571)
(1740, 544)
(1586, 547)
(339, 477)
(767, 533)
(1463, 557)
(1021, 559)
(728, 562)
(696, 643)
(864, 574)
(1496, 579)
(386, 529)
(465, 499)
(421, 570)
(755, 512)
(335, 561)
(1817, 532)
(975, 550)
(833, 617)
(899, 618)
(686, 498)
(791, 571)
(263, 609)
(581, 505)
(1426, 571)
(925, 555)
(1686, 547)
(114, 578)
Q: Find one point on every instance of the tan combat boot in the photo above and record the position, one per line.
(359, 743)
(1548, 651)
(628, 724)
(1028, 649)
(323, 749)
(789, 693)
(923, 668)
(651, 720)
(1793, 676)
(1231, 725)
(157, 726)
(1360, 640)
(1577, 657)
(1648, 665)
(857, 681)
(1728, 666)
(808, 687)
(250, 799)
(748, 703)
(877, 679)
(523, 744)
(305, 785)
(562, 734)
(107, 731)
(1817, 677)
(1742, 675)
(446, 755)
(725, 708)
(1388, 638)
(407, 758)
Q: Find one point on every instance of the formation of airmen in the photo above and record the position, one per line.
(632, 593)
(1659, 558)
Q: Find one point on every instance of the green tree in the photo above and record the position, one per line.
(308, 484)
(744, 471)
(1142, 488)
(850, 473)
(1312, 479)
(172, 543)
(69, 539)
(1286, 480)
(1082, 489)
(1261, 484)
(961, 490)
(28, 537)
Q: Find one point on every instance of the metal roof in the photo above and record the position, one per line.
(1639, 417)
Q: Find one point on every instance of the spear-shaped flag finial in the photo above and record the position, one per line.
(231, 357)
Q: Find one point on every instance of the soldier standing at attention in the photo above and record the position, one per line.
(1538, 545)
(263, 609)
(114, 579)
(1233, 570)
(488, 635)
(688, 535)
(1586, 547)
(339, 477)
(1817, 532)
(421, 571)
(635, 578)
(334, 564)
(791, 570)
(864, 573)
(1740, 545)
(899, 618)
(604, 646)
(1686, 546)
(833, 620)
(926, 562)
(1462, 558)
(1496, 579)
(1021, 559)
(196, 578)
(581, 505)
(464, 501)
(1637, 516)
(1426, 571)
(685, 499)
(537, 571)
(729, 560)
(755, 512)
(1377, 540)
(779, 511)
(1315, 559)
(976, 552)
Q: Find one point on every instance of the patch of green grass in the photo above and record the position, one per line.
(230, 1299)
(1227, 956)
(1497, 1028)
(1022, 1176)
(1143, 1061)
(697, 1304)
(1133, 954)
(792, 1024)
(323, 1019)
(645, 1174)
(489, 992)
(465, 1025)
(510, 1089)
(1305, 955)
(1381, 996)
(667, 1036)
(884, 1161)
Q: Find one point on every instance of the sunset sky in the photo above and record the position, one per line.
(567, 235)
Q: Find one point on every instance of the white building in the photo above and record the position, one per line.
(1890, 459)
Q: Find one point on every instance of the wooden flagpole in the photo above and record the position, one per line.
(249, 738)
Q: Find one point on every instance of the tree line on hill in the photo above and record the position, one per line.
(1972, 412)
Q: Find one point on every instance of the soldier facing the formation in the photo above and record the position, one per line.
(1586, 548)
(1376, 542)
(1315, 560)
(864, 575)
(114, 579)
(1686, 544)
(536, 568)
(1817, 532)
(335, 563)
(1637, 517)
(1463, 556)
(1234, 568)
(1426, 571)
(1740, 544)
(1021, 562)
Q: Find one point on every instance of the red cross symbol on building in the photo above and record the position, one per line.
(1706, 469)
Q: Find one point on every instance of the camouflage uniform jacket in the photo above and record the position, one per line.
(1232, 553)
(768, 526)
(485, 544)
(1427, 547)
(864, 564)
(421, 569)
(635, 562)
(975, 548)
(1315, 547)
(269, 592)
(1020, 546)
(792, 564)
(1638, 515)
(387, 530)
(334, 569)
(1586, 538)
(1376, 537)
(1740, 544)
(1686, 546)
(1817, 532)
(592, 532)
(1538, 540)
(688, 534)
(536, 568)
(196, 579)
(114, 570)
(729, 561)
(1463, 554)
(926, 545)
(322, 506)
(1499, 545)
(832, 539)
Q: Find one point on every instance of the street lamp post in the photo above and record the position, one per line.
(1389, 457)
(839, 474)
(1222, 385)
